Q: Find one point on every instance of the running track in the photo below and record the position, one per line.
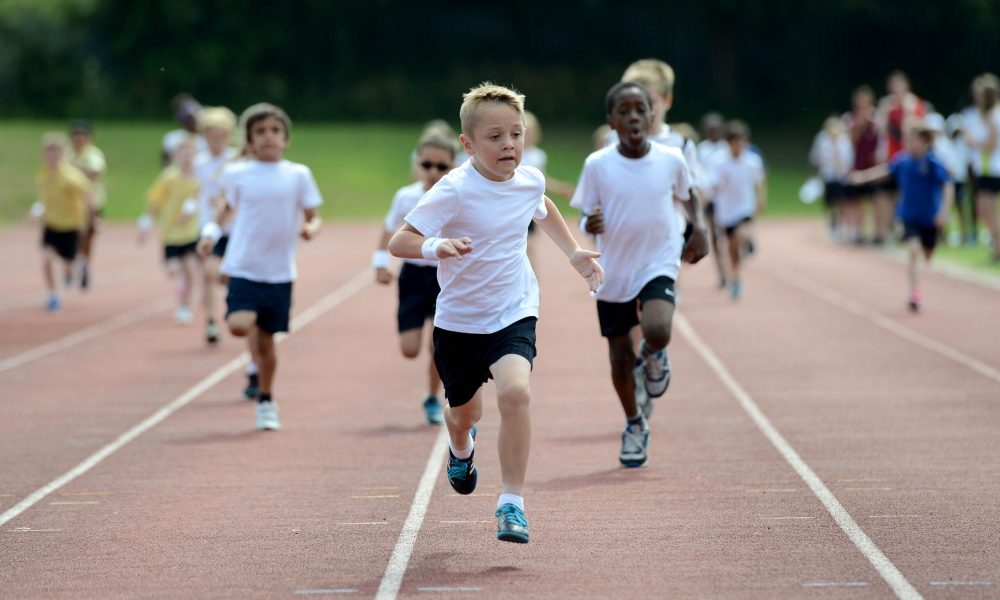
(817, 442)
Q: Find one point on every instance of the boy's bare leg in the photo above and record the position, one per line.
(735, 243)
(621, 352)
(433, 377)
(512, 375)
(266, 359)
(210, 279)
(410, 342)
(986, 203)
(657, 323)
(460, 419)
(50, 282)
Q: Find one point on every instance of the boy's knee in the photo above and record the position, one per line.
(410, 350)
(622, 358)
(657, 337)
(238, 329)
(514, 394)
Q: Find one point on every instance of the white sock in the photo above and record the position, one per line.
(514, 499)
(251, 368)
(464, 453)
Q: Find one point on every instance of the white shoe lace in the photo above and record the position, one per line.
(632, 441)
(654, 366)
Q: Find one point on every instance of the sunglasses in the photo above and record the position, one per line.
(427, 165)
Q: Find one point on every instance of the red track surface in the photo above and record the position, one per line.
(203, 506)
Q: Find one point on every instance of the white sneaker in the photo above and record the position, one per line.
(657, 366)
(635, 439)
(183, 315)
(267, 416)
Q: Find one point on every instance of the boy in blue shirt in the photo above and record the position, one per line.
(926, 194)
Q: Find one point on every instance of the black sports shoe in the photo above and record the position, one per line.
(253, 387)
(462, 474)
(84, 277)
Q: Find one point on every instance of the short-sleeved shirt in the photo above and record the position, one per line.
(984, 162)
(172, 139)
(63, 190)
(402, 203)
(734, 186)
(268, 198)
(91, 161)
(864, 138)
(833, 156)
(920, 181)
(896, 116)
(168, 196)
(208, 168)
(493, 286)
(641, 239)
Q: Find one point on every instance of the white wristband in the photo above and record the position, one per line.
(380, 259)
(145, 222)
(211, 231)
(37, 209)
(430, 248)
(189, 207)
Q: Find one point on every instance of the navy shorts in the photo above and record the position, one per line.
(928, 235)
(220, 246)
(464, 359)
(65, 243)
(179, 251)
(271, 301)
(618, 318)
(990, 184)
(418, 292)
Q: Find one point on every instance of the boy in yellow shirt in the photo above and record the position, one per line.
(173, 201)
(64, 201)
(87, 157)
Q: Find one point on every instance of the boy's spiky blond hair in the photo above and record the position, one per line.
(485, 94)
(651, 73)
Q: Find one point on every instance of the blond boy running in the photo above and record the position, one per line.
(488, 306)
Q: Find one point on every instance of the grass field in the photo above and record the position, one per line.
(357, 166)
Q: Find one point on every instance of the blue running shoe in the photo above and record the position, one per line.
(433, 410)
(512, 525)
(53, 304)
(635, 441)
(462, 474)
(737, 291)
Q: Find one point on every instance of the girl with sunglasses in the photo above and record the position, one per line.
(418, 285)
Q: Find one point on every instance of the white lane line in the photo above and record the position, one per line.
(892, 576)
(860, 310)
(345, 291)
(832, 584)
(961, 583)
(88, 333)
(394, 571)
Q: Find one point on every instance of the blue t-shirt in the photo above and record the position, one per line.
(920, 181)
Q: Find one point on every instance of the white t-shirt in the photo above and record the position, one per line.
(493, 286)
(402, 203)
(672, 139)
(834, 157)
(208, 170)
(953, 155)
(636, 195)
(708, 148)
(268, 199)
(733, 185)
(535, 157)
(173, 138)
(984, 162)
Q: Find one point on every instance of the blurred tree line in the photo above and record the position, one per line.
(781, 62)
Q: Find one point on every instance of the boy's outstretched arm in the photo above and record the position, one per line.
(876, 173)
(410, 243)
(947, 199)
(584, 261)
(211, 232)
(697, 246)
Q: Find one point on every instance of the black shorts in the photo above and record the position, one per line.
(271, 301)
(888, 186)
(731, 230)
(65, 243)
(833, 192)
(959, 193)
(531, 227)
(989, 184)
(418, 292)
(179, 251)
(618, 318)
(710, 210)
(220, 246)
(864, 190)
(464, 359)
(929, 235)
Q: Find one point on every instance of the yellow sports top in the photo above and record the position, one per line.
(63, 190)
(170, 192)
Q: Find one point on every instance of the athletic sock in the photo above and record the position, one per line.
(464, 453)
(645, 350)
(514, 499)
(251, 368)
(264, 398)
(638, 420)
